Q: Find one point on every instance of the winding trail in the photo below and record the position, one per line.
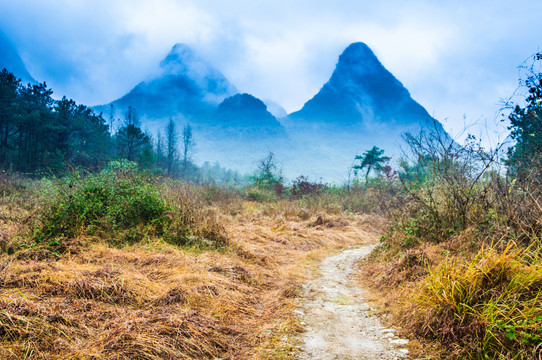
(339, 322)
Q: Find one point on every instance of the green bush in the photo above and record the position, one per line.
(106, 202)
(123, 205)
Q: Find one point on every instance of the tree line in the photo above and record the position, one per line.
(40, 135)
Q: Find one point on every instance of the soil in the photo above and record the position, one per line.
(339, 322)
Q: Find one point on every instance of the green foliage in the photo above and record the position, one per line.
(123, 205)
(39, 134)
(116, 199)
(371, 160)
(526, 124)
(267, 181)
(268, 172)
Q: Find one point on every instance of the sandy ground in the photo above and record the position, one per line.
(339, 323)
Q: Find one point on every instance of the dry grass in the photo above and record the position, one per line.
(488, 307)
(154, 300)
(465, 297)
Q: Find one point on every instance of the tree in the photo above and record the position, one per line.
(36, 147)
(80, 135)
(171, 147)
(371, 159)
(111, 118)
(526, 125)
(9, 97)
(268, 172)
(131, 141)
(188, 148)
(38, 133)
(160, 158)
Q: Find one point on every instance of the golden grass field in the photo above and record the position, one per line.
(153, 300)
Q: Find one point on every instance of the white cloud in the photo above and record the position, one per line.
(455, 57)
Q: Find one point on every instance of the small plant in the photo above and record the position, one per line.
(302, 187)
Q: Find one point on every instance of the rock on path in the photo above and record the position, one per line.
(339, 322)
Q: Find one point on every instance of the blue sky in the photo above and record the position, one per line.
(457, 58)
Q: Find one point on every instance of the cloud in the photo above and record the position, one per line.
(455, 58)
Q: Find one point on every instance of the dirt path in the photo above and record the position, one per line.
(339, 322)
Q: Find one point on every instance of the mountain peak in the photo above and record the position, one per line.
(180, 58)
(178, 54)
(358, 60)
(357, 52)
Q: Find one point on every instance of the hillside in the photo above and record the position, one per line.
(10, 59)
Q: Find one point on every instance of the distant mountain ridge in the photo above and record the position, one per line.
(362, 105)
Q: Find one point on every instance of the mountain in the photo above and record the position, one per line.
(185, 86)
(361, 106)
(249, 114)
(10, 59)
(361, 91)
(231, 128)
(275, 108)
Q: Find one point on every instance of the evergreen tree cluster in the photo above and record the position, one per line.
(40, 135)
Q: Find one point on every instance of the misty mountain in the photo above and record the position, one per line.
(247, 117)
(275, 108)
(361, 92)
(231, 128)
(10, 59)
(361, 106)
(184, 87)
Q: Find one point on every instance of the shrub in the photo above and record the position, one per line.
(193, 222)
(302, 186)
(121, 204)
(104, 203)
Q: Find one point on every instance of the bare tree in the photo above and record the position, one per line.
(442, 174)
(111, 118)
(172, 139)
(159, 149)
(188, 148)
